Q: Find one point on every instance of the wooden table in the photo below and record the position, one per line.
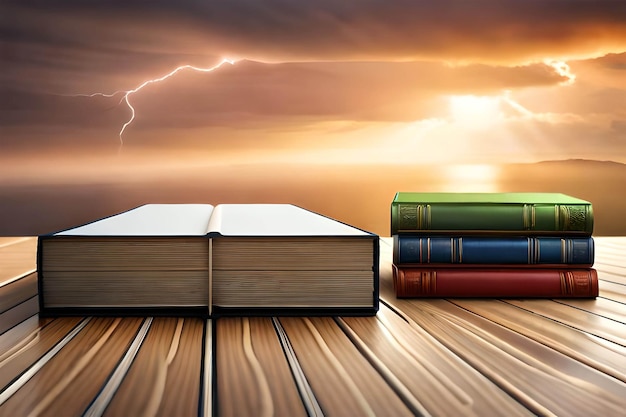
(415, 357)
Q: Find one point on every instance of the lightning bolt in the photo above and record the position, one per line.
(127, 93)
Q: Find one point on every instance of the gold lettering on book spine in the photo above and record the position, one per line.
(414, 216)
(582, 282)
(573, 218)
(408, 217)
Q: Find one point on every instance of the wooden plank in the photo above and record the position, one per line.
(544, 380)
(581, 346)
(18, 313)
(253, 377)
(601, 306)
(327, 354)
(21, 334)
(610, 255)
(433, 375)
(10, 240)
(17, 258)
(584, 321)
(67, 384)
(18, 291)
(19, 356)
(606, 276)
(613, 291)
(610, 243)
(163, 379)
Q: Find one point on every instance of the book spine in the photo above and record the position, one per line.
(495, 218)
(504, 250)
(492, 282)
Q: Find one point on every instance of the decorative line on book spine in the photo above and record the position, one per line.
(565, 249)
(557, 217)
(453, 248)
(528, 216)
(564, 217)
(569, 282)
(420, 214)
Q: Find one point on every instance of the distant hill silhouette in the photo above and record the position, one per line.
(587, 162)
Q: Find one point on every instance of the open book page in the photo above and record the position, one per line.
(275, 220)
(150, 220)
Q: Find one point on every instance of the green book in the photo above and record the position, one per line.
(491, 213)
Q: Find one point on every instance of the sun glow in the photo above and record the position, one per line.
(474, 110)
(472, 177)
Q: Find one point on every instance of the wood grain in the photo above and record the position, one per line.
(343, 381)
(596, 352)
(33, 345)
(163, 378)
(68, 383)
(435, 376)
(18, 291)
(544, 380)
(17, 258)
(253, 377)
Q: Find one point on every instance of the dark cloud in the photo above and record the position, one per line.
(252, 93)
(286, 30)
(324, 60)
(612, 61)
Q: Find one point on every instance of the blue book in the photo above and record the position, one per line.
(480, 250)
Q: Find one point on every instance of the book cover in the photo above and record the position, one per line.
(529, 213)
(530, 251)
(494, 283)
(200, 259)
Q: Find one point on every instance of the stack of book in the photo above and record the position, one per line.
(504, 245)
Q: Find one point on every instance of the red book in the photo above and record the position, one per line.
(495, 282)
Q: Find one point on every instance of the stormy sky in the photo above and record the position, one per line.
(368, 81)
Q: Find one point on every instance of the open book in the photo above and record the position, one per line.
(199, 259)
